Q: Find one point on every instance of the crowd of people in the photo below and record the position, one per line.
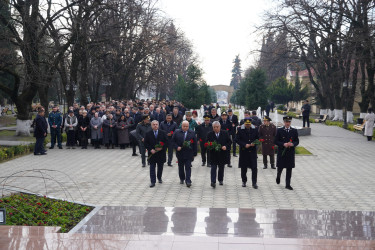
(160, 128)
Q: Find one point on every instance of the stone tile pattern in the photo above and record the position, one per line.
(340, 176)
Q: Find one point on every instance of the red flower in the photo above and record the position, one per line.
(200, 139)
(210, 143)
(227, 129)
(273, 147)
(261, 140)
(45, 212)
(191, 141)
(39, 203)
(162, 143)
(10, 214)
(206, 145)
(87, 209)
(291, 140)
(171, 132)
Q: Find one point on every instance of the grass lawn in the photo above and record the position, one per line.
(32, 210)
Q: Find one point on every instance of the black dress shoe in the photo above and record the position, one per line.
(50, 147)
(188, 184)
(229, 166)
(213, 185)
(160, 181)
(169, 165)
(255, 186)
(181, 182)
(36, 153)
(143, 165)
(203, 164)
(60, 147)
(235, 156)
(134, 154)
(152, 185)
(44, 153)
(273, 166)
(243, 184)
(277, 180)
(289, 187)
(220, 183)
(265, 167)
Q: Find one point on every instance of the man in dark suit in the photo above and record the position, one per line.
(234, 119)
(158, 115)
(176, 116)
(226, 125)
(202, 131)
(218, 157)
(40, 132)
(246, 136)
(287, 140)
(185, 143)
(169, 127)
(157, 155)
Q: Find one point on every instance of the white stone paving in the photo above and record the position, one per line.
(339, 176)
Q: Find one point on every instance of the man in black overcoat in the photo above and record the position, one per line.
(287, 140)
(40, 132)
(185, 143)
(234, 119)
(202, 131)
(157, 156)
(218, 158)
(226, 125)
(247, 134)
(169, 127)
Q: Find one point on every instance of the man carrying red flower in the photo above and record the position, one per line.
(156, 144)
(226, 125)
(202, 131)
(267, 133)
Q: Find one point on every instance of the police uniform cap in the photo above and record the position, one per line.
(247, 121)
(287, 118)
(207, 117)
(141, 108)
(224, 113)
(266, 118)
(146, 117)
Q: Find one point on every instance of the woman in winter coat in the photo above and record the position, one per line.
(123, 132)
(369, 124)
(83, 129)
(96, 127)
(109, 131)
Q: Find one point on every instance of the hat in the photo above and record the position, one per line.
(266, 118)
(247, 121)
(146, 117)
(207, 117)
(287, 118)
(188, 113)
(70, 111)
(230, 110)
(141, 108)
(224, 113)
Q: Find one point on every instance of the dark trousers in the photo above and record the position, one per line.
(234, 144)
(170, 150)
(184, 170)
(288, 175)
(159, 171)
(254, 174)
(70, 138)
(143, 153)
(204, 153)
(55, 132)
(220, 174)
(272, 159)
(306, 119)
(369, 138)
(39, 145)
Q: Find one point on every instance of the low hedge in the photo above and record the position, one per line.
(8, 153)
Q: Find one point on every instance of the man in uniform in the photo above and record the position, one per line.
(157, 155)
(267, 132)
(286, 139)
(226, 125)
(55, 122)
(202, 131)
(141, 131)
(246, 136)
(169, 127)
(185, 143)
(234, 119)
(218, 158)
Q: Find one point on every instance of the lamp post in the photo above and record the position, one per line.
(345, 94)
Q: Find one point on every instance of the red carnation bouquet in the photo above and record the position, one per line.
(258, 142)
(159, 145)
(213, 146)
(187, 144)
(286, 149)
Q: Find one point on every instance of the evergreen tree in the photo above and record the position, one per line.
(256, 94)
(280, 91)
(236, 73)
(298, 93)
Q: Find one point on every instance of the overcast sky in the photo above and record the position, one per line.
(219, 30)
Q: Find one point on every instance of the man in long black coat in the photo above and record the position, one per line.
(287, 140)
(40, 132)
(157, 156)
(234, 119)
(185, 143)
(202, 131)
(218, 158)
(226, 125)
(169, 127)
(246, 136)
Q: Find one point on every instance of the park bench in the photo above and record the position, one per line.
(321, 119)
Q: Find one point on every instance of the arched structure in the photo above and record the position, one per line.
(226, 88)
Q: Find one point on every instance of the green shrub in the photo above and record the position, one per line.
(292, 114)
(7, 153)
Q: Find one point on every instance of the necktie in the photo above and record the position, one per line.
(185, 136)
(156, 134)
(217, 135)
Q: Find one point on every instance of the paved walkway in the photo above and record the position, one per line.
(339, 176)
